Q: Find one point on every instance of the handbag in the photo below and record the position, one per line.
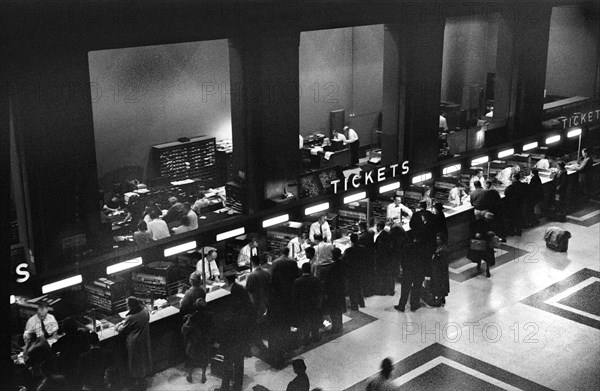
(478, 245)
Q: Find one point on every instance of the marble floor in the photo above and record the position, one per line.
(534, 325)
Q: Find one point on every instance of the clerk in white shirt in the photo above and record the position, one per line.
(476, 178)
(395, 210)
(297, 246)
(42, 323)
(352, 141)
(543, 163)
(247, 252)
(320, 227)
(211, 270)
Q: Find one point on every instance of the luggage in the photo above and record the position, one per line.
(557, 239)
(478, 245)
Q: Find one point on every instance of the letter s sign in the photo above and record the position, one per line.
(21, 270)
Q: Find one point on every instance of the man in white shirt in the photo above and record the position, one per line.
(352, 141)
(320, 227)
(42, 323)
(211, 270)
(322, 255)
(476, 178)
(247, 252)
(297, 246)
(543, 163)
(395, 210)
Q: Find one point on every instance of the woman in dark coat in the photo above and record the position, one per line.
(136, 329)
(481, 228)
(334, 288)
(440, 279)
(197, 338)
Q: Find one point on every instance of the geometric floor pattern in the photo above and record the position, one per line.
(576, 298)
(439, 367)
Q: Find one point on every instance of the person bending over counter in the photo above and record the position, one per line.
(395, 210)
(42, 323)
(320, 227)
(247, 252)
(352, 141)
(211, 270)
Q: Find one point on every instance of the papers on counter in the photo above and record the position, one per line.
(182, 182)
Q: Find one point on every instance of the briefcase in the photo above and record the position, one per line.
(478, 245)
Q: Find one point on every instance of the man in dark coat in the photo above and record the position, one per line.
(334, 286)
(68, 348)
(308, 297)
(258, 286)
(412, 277)
(514, 198)
(535, 195)
(353, 260)
(284, 272)
(365, 239)
(492, 202)
(422, 225)
(93, 364)
(561, 184)
(383, 260)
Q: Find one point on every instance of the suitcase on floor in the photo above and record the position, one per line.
(557, 239)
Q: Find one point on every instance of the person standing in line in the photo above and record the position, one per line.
(334, 288)
(440, 278)
(308, 298)
(477, 197)
(534, 196)
(492, 202)
(412, 278)
(258, 285)
(481, 229)
(136, 330)
(322, 256)
(439, 219)
(383, 260)
(68, 348)
(423, 226)
(383, 380)
(365, 239)
(561, 183)
(284, 272)
(353, 260)
(92, 365)
(196, 291)
(197, 336)
(398, 240)
(584, 171)
(514, 198)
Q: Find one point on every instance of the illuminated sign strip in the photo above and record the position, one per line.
(389, 187)
(276, 220)
(529, 146)
(553, 139)
(451, 169)
(67, 282)
(180, 248)
(479, 160)
(421, 178)
(316, 209)
(231, 234)
(506, 153)
(574, 133)
(119, 267)
(355, 197)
